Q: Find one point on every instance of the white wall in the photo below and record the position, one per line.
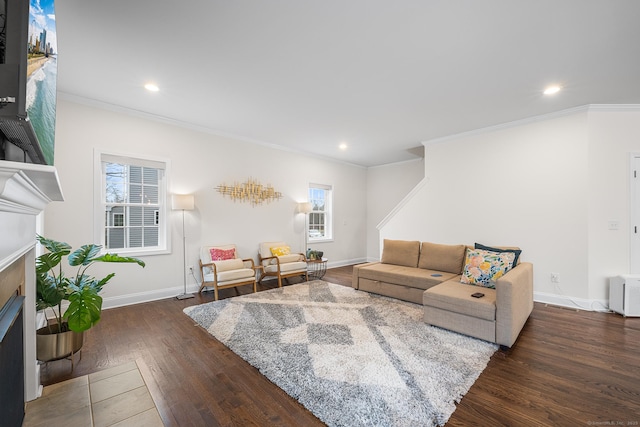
(199, 162)
(614, 133)
(521, 186)
(550, 185)
(387, 185)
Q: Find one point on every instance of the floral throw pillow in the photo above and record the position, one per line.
(483, 268)
(222, 254)
(280, 250)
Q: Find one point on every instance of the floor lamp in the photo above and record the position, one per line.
(183, 202)
(305, 208)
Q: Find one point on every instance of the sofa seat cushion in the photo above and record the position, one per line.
(456, 297)
(229, 275)
(407, 276)
(288, 267)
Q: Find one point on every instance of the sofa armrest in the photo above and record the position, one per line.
(356, 273)
(514, 302)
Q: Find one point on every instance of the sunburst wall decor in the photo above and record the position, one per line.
(250, 191)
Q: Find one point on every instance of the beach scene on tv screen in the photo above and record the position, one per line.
(42, 74)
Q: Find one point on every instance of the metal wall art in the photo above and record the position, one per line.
(250, 191)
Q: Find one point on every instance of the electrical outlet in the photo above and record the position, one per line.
(555, 277)
(189, 270)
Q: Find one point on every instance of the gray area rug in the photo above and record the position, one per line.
(351, 358)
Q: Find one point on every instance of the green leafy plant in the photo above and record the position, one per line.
(81, 290)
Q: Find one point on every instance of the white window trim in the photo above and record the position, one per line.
(329, 222)
(98, 201)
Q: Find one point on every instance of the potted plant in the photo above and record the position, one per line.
(64, 337)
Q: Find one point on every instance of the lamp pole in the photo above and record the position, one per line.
(183, 202)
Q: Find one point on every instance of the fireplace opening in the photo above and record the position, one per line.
(12, 362)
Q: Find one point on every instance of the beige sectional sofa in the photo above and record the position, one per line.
(430, 274)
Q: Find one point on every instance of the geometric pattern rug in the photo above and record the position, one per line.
(350, 357)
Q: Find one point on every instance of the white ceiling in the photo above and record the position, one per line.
(381, 76)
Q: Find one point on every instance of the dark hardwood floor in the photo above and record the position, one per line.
(567, 368)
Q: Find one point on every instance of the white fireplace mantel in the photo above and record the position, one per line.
(25, 191)
(28, 188)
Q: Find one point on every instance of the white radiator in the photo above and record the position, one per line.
(624, 295)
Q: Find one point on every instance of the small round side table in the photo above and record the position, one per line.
(316, 268)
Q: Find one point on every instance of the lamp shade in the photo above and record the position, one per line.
(183, 202)
(304, 207)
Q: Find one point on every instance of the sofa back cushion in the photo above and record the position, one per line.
(448, 258)
(401, 252)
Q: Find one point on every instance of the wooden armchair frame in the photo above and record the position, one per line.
(229, 284)
(278, 273)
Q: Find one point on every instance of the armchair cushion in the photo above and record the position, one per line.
(229, 264)
(285, 259)
(229, 275)
(264, 248)
(280, 250)
(218, 254)
(288, 267)
(207, 253)
(265, 251)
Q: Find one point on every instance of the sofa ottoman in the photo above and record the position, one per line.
(498, 316)
(452, 307)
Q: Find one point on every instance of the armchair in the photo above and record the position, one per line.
(221, 268)
(276, 260)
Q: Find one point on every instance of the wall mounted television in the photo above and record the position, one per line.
(28, 73)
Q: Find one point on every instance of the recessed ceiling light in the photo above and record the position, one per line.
(342, 146)
(151, 87)
(551, 90)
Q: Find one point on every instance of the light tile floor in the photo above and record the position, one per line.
(113, 397)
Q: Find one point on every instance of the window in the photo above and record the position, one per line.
(320, 216)
(132, 204)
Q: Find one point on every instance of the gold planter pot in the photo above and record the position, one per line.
(56, 345)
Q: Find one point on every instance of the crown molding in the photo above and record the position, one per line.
(28, 188)
(515, 123)
(616, 108)
(557, 114)
(190, 126)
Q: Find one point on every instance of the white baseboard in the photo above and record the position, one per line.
(542, 297)
(572, 302)
(140, 297)
(345, 262)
